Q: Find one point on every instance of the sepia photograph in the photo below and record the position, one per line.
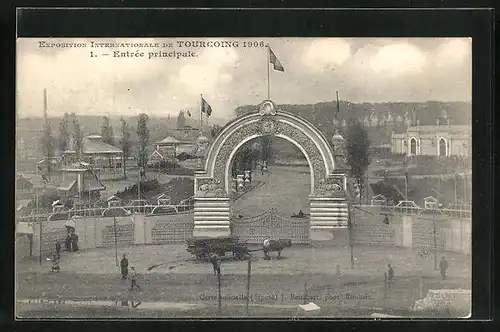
(243, 177)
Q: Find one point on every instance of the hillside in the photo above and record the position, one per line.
(379, 118)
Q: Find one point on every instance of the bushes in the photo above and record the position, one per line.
(131, 192)
(171, 167)
(178, 189)
(184, 156)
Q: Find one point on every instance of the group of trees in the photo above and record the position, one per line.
(72, 139)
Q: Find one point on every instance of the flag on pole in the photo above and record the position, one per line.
(205, 107)
(274, 60)
(45, 103)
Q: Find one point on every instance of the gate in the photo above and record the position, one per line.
(271, 225)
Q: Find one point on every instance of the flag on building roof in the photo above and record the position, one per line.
(205, 107)
(274, 60)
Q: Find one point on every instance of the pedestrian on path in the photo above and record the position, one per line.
(215, 260)
(55, 263)
(133, 280)
(390, 275)
(124, 266)
(443, 266)
(58, 250)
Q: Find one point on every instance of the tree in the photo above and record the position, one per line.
(214, 131)
(265, 143)
(77, 137)
(47, 145)
(107, 134)
(357, 145)
(63, 139)
(125, 145)
(143, 134)
(181, 120)
(107, 131)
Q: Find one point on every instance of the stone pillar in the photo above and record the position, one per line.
(407, 234)
(240, 180)
(466, 236)
(328, 204)
(328, 213)
(397, 226)
(139, 229)
(211, 216)
(247, 177)
(86, 234)
(456, 238)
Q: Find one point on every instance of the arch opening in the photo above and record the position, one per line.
(442, 147)
(413, 146)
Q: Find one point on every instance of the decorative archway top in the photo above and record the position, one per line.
(267, 119)
(267, 110)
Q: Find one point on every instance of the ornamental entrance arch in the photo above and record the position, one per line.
(213, 184)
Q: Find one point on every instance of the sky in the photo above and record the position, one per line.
(361, 69)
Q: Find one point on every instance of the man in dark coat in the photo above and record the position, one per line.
(215, 260)
(124, 266)
(390, 275)
(443, 266)
(58, 250)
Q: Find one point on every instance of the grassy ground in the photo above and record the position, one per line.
(279, 284)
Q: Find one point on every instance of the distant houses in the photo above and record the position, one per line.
(170, 147)
(97, 153)
(433, 140)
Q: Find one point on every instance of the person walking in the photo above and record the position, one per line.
(58, 250)
(124, 266)
(390, 275)
(443, 266)
(55, 263)
(215, 260)
(133, 280)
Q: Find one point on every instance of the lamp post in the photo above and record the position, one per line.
(434, 232)
(349, 222)
(40, 224)
(116, 241)
(219, 297)
(248, 281)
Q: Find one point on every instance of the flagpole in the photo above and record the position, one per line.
(336, 118)
(268, 75)
(201, 114)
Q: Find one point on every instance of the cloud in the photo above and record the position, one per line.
(326, 54)
(453, 52)
(365, 69)
(398, 59)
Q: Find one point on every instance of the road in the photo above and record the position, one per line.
(286, 189)
(93, 275)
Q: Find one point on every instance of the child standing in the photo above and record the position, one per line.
(133, 280)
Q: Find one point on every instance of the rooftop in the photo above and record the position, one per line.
(94, 145)
(169, 140)
(434, 128)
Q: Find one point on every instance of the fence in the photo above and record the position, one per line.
(119, 210)
(270, 224)
(368, 228)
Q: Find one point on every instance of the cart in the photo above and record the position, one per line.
(202, 247)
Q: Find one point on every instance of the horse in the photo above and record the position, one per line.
(275, 245)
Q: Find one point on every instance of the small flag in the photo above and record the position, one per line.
(189, 113)
(205, 107)
(274, 60)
